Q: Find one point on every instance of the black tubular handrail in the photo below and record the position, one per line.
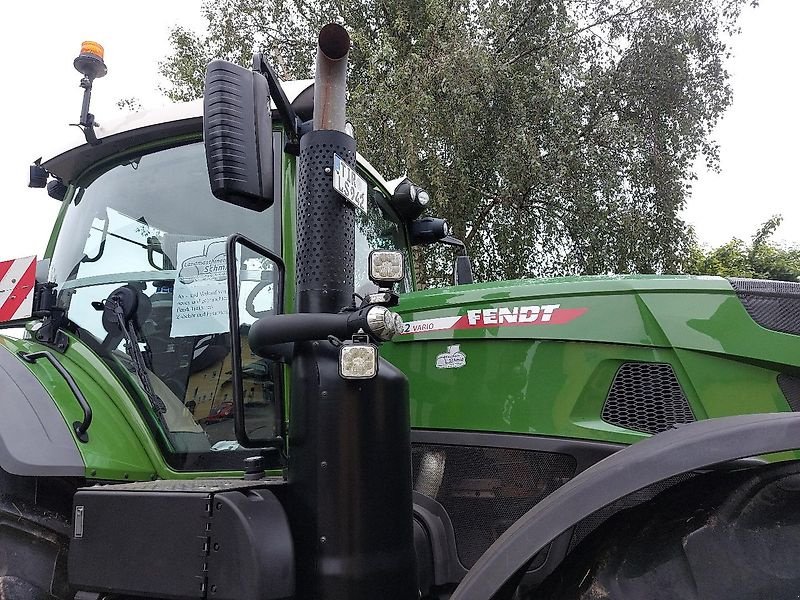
(81, 428)
(236, 346)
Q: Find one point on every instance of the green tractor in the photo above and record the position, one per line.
(228, 387)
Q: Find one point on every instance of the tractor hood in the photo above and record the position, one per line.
(698, 313)
(559, 357)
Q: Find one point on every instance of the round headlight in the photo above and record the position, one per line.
(381, 322)
(409, 200)
(389, 322)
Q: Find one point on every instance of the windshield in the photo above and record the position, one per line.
(141, 223)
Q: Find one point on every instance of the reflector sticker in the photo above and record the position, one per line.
(504, 316)
(17, 282)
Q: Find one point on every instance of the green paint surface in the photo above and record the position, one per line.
(553, 379)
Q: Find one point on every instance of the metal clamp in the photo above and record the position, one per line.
(81, 428)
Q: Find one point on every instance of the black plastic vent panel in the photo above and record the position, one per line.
(485, 490)
(646, 397)
(772, 304)
(790, 386)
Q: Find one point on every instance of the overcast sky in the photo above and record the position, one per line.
(40, 97)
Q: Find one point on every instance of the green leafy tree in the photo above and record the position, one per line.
(761, 259)
(556, 136)
(131, 104)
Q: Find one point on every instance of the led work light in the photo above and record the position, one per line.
(358, 360)
(383, 323)
(386, 267)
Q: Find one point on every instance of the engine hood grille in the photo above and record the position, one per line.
(774, 305)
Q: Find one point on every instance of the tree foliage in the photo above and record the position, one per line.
(130, 104)
(556, 136)
(761, 259)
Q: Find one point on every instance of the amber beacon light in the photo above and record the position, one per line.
(90, 60)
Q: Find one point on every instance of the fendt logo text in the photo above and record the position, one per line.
(503, 316)
(511, 315)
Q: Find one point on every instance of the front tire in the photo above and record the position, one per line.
(34, 537)
(732, 535)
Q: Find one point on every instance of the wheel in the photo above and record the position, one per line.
(34, 538)
(732, 535)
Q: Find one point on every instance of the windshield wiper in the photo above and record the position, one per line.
(128, 329)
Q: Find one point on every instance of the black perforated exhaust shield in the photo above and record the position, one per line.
(325, 225)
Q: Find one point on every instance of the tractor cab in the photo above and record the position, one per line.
(139, 214)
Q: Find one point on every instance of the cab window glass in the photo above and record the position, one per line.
(376, 230)
(150, 223)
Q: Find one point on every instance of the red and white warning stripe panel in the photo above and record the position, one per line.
(17, 282)
(504, 316)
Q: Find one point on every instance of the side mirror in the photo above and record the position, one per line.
(432, 230)
(37, 176)
(237, 130)
(255, 288)
(462, 270)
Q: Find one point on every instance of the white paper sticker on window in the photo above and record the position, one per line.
(200, 301)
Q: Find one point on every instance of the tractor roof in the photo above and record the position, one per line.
(148, 126)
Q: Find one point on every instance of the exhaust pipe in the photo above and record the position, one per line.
(330, 80)
(325, 223)
(349, 493)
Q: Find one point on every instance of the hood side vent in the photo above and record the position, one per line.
(774, 305)
(790, 386)
(646, 397)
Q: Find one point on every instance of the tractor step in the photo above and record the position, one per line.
(226, 539)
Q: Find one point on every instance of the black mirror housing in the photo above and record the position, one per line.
(237, 130)
(462, 270)
(56, 189)
(38, 176)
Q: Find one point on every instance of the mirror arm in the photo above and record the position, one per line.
(293, 125)
(236, 348)
(462, 271)
(451, 241)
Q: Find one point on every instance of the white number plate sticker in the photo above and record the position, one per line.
(349, 183)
